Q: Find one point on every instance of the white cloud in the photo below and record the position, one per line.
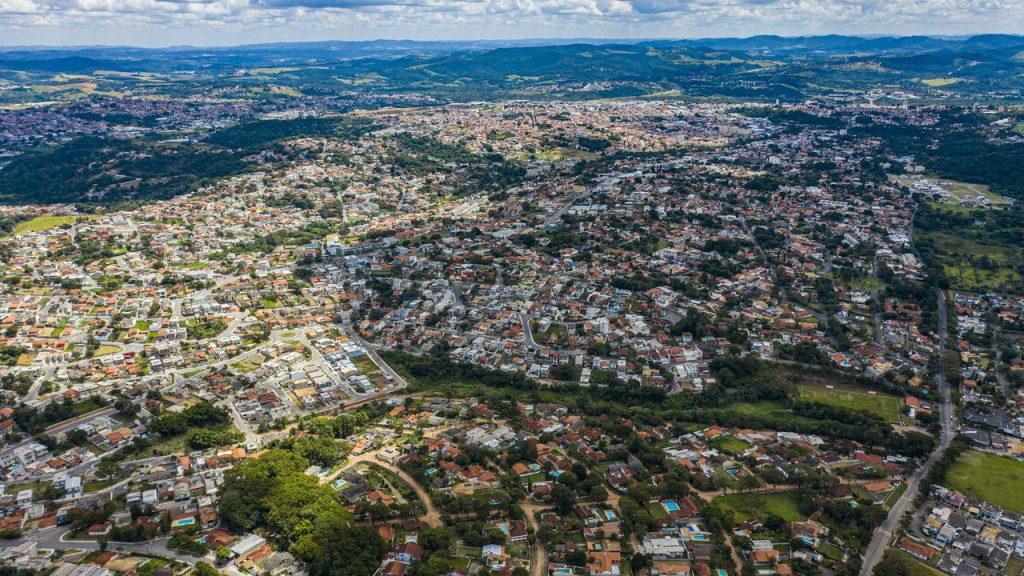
(161, 22)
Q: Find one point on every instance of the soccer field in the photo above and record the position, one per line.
(42, 223)
(888, 407)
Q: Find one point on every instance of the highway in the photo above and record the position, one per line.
(885, 532)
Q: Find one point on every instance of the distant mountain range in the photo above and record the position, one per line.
(759, 67)
(328, 51)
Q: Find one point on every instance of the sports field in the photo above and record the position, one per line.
(990, 477)
(888, 407)
(42, 223)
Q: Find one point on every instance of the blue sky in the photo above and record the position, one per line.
(230, 22)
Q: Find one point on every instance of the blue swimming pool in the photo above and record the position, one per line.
(671, 506)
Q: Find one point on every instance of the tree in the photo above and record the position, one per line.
(563, 499)
(223, 554)
(107, 468)
(205, 569)
(335, 548)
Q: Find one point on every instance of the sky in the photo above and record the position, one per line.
(153, 23)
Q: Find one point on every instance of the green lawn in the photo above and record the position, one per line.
(747, 506)
(888, 407)
(867, 283)
(59, 329)
(42, 223)
(535, 477)
(915, 567)
(989, 477)
(729, 445)
(100, 484)
(894, 496)
(657, 510)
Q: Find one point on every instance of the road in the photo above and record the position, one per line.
(997, 353)
(527, 331)
(56, 538)
(783, 292)
(396, 379)
(884, 533)
(432, 517)
(538, 560)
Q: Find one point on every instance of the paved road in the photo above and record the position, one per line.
(397, 381)
(432, 516)
(527, 331)
(56, 538)
(876, 548)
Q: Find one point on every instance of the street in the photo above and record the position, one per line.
(884, 533)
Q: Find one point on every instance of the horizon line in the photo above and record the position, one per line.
(553, 39)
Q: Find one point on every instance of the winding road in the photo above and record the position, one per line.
(432, 517)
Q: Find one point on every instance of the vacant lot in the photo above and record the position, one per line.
(106, 349)
(989, 477)
(42, 223)
(888, 407)
(760, 506)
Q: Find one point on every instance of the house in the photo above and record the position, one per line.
(97, 530)
(408, 553)
(517, 531)
(494, 556)
(664, 548)
(919, 551)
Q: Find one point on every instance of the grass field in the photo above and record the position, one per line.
(105, 349)
(888, 407)
(939, 82)
(730, 445)
(1014, 566)
(867, 283)
(657, 510)
(42, 223)
(100, 484)
(747, 506)
(989, 477)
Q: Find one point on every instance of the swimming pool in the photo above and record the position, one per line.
(671, 506)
